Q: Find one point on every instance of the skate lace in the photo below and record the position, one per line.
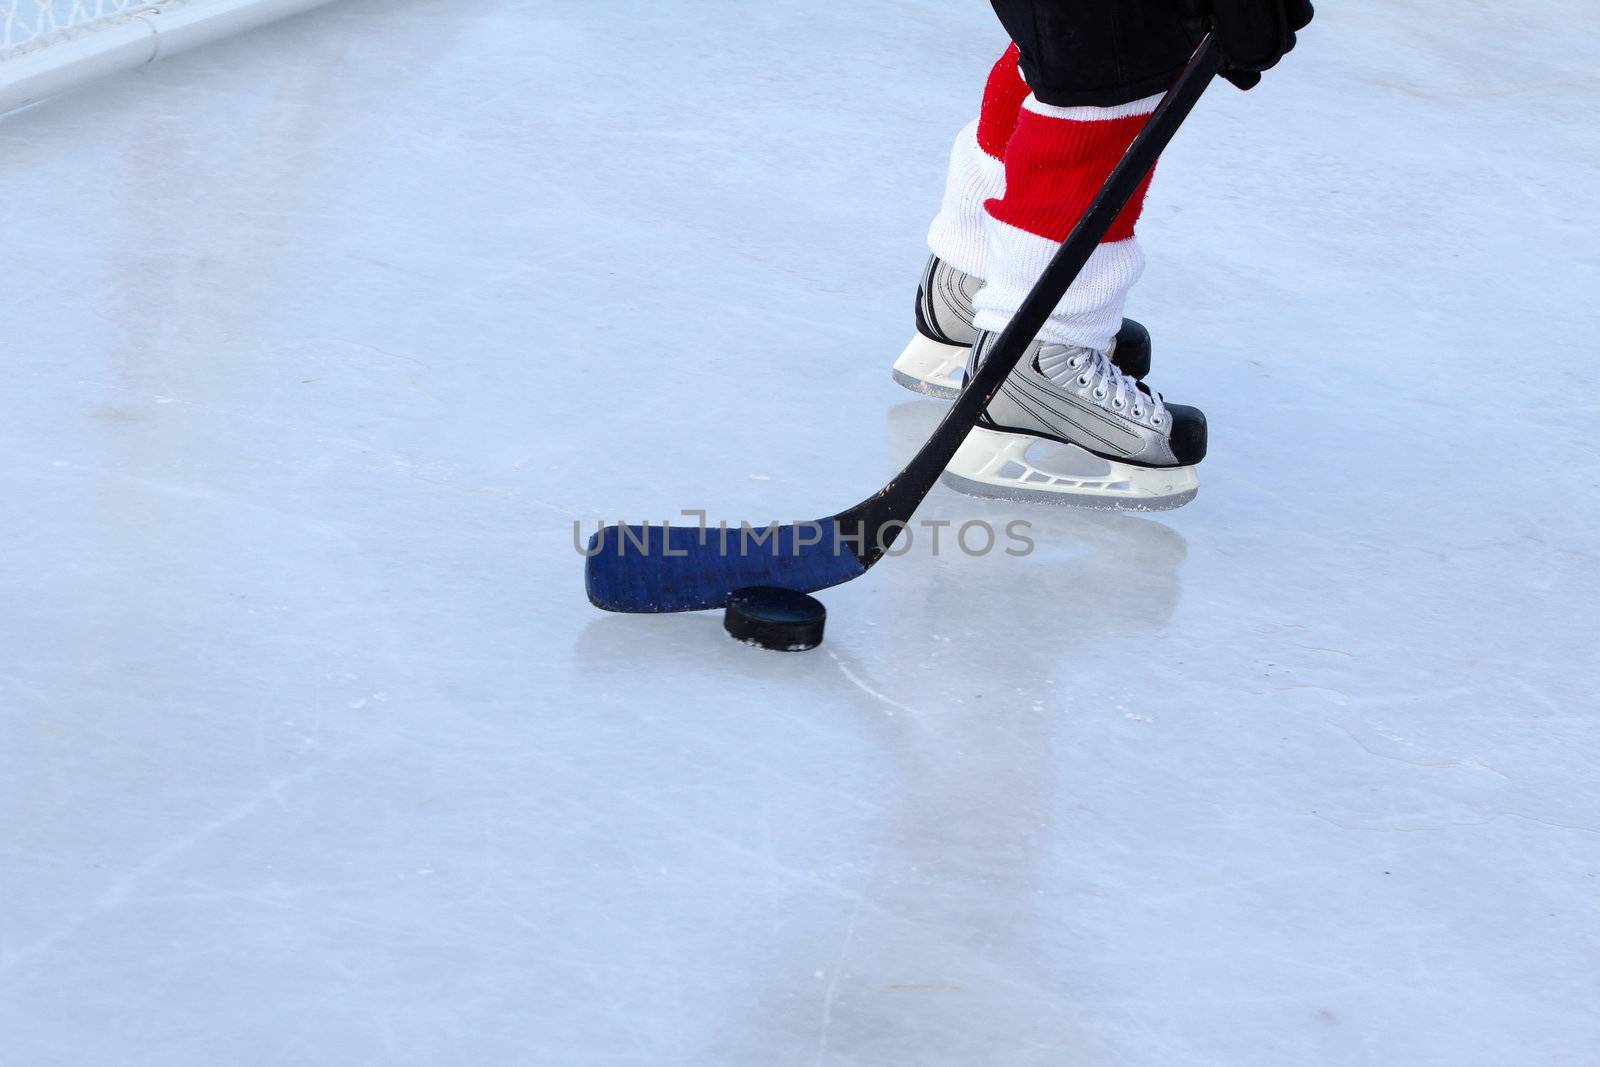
(1098, 377)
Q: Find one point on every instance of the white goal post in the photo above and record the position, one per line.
(50, 45)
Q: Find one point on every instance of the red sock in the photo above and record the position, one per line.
(1002, 101)
(1056, 160)
(1055, 165)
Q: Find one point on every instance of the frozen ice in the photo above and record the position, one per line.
(319, 341)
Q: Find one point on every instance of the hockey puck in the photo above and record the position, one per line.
(780, 619)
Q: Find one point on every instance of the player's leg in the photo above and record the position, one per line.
(1090, 63)
(934, 360)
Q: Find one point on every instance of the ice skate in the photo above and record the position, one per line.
(1125, 448)
(935, 360)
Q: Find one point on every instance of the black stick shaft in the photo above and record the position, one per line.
(898, 500)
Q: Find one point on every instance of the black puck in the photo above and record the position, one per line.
(780, 619)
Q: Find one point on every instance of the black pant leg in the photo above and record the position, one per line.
(1097, 52)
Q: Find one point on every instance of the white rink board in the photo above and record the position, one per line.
(311, 751)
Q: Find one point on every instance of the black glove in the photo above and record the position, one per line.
(1253, 34)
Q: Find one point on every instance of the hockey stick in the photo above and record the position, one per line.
(665, 568)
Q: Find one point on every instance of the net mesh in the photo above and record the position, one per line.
(26, 25)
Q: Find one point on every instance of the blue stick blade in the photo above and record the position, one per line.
(661, 568)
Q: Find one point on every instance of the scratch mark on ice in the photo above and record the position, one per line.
(867, 689)
(831, 993)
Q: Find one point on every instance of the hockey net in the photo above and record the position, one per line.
(30, 25)
(47, 46)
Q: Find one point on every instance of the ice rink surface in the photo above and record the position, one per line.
(319, 341)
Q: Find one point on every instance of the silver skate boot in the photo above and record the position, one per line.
(932, 364)
(1117, 443)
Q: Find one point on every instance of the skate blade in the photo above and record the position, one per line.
(998, 465)
(931, 368)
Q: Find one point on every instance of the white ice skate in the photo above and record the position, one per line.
(935, 360)
(1116, 443)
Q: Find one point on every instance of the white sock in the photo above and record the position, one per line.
(958, 234)
(1089, 315)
